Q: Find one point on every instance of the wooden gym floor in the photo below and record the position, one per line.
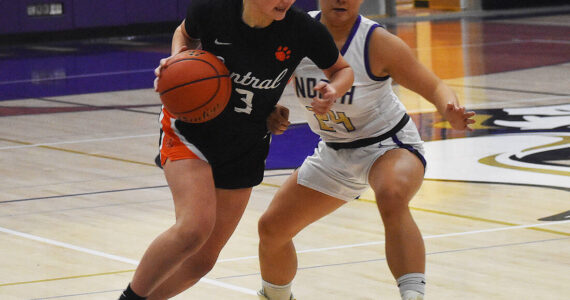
(80, 197)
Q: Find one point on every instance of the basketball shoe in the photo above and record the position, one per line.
(412, 295)
(263, 297)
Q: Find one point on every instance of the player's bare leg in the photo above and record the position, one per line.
(230, 207)
(395, 178)
(192, 187)
(293, 208)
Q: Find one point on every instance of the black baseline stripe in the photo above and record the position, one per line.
(84, 194)
(501, 183)
(508, 90)
(107, 107)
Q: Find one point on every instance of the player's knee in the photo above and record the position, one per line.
(392, 201)
(193, 235)
(264, 228)
(269, 231)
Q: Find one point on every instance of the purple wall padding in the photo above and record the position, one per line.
(46, 23)
(151, 11)
(89, 13)
(182, 6)
(9, 21)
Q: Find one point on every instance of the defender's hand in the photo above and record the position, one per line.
(321, 105)
(278, 120)
(458, 117)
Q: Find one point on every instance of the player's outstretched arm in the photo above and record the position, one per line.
(341, 77)
(389, 55)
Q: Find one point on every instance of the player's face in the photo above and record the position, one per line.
(340, 11)
(274, 9)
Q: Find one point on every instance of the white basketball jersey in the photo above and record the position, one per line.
(370, 108)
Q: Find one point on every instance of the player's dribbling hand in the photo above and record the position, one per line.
(278, 120)
(163, 63)
(458, 117)
(328, 96)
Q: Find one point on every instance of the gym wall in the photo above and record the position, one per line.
(33, 16)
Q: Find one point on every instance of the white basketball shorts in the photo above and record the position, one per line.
(343, 173)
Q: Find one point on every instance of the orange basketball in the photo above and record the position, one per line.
(194, 86)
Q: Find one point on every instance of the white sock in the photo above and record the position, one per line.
(276, 292)
(412, 282)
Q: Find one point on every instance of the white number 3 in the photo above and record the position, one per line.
(248, 99)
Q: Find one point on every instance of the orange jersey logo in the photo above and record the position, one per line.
(282, 53)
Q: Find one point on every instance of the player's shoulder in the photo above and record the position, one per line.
(381, 40)
(299, 17)
(366, 21)
(303, 25)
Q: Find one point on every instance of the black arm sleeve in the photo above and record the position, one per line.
(196, 14)
(321, 49)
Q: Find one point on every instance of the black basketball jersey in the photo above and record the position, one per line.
(260, 60)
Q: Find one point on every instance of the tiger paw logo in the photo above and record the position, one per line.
(169, 143)
(282, 53)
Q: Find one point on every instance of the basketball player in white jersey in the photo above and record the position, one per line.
(367, 139)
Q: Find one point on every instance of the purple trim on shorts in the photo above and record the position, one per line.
(411, 149)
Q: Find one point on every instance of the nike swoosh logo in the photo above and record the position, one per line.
(221, 43)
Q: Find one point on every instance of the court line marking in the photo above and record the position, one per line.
(428, 237)
(495, 182)
(482, 106)
(473, 45)
(565, 42)
(81, 152)
(476, 218)
(129, 108)
(115, 258)
(241, 289)
(30, 145)
(500, 104)
(384, 258)
(66, 278)
(82, 294)
(432, 253)
(76, 76)
(537, 228)
(491, 44)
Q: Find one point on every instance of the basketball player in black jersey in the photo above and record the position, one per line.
(211, 167)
